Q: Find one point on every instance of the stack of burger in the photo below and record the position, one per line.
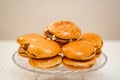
(41, 52)
(61, 42)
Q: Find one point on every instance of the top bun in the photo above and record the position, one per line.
(44, 49)
(27, 38)
(64, 29)
(79, 50)
(94, 38)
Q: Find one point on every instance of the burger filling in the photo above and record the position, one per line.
(25, 46)
(22, 51)
(56, 39)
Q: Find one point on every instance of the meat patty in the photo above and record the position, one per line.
(58, 40)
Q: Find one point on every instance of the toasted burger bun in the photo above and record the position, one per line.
(94, 38)
(79, 50)
(27, 38)
(77, 64)
(62, 32)
(46, 62)
(44, 49)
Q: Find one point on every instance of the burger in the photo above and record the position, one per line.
(79, 54)
(44, 54)
(96, 40)
(62, 32)
(25, 40)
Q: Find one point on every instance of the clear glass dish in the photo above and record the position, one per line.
(22, 62)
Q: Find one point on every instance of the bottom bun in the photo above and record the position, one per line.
(46, 62)
(77, 64)
(23, 53)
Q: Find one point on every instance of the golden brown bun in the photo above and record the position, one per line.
(23, 52)
(94, 38)
(79, 50)
(27, 38)
(44, 49)
(46, 63)
(65, 29)
(77, 64)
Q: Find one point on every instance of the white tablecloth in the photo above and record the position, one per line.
(9, 71)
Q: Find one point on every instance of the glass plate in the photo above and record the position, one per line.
(22, 62)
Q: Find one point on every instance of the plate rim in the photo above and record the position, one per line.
(48, 71)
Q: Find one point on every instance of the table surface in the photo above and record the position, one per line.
(9, 71)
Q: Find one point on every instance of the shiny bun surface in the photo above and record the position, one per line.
(64, 29)
(94, 38)
(79, 50)
(44, 49)
(46, 62)
(27, 38)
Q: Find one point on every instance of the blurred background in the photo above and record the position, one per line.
(19, 17)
